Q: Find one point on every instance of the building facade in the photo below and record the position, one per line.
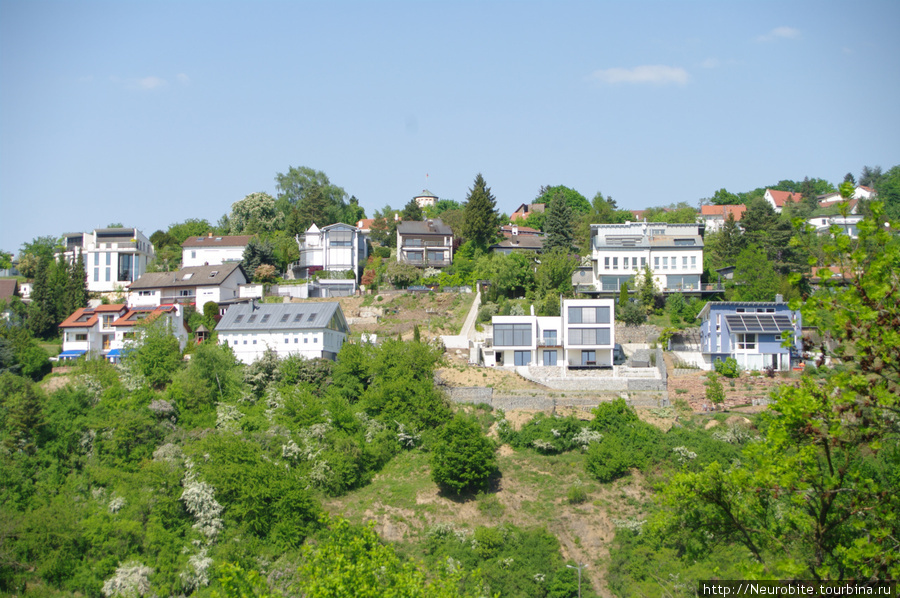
(311, 330)
(582, 337)
(195, 285)
(336, 248)
(758, 335)
(213, 250)
(113, 257)
(673, 252)
(105, 330)
(425, 244)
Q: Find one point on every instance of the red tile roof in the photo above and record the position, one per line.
(139, 314)
(8, 288)
(86, 317)
(723, 211)
(782, 197)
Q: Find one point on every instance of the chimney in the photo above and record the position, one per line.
(779, 298)
(515, 230)
(210, 234)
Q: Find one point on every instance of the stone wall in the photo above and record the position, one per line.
(551, 399)
(636, 334)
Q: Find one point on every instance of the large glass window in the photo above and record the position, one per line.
(549, 337)
(435, 256)
(589, 315)
(512, 335)
(522, 357)
(588, 336)
(126, 263)
(746, 342)
(588, 358)
(549, 357)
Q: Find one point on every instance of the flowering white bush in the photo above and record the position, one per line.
(199, 499)
(373, 426)
(585, 437)
(633, 525)
(227, 416)
(169, 453)
(130, 579)
(197, 575)
(684, 454)
(407, 439)
(116, 504)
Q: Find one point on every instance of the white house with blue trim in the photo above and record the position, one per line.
(757, 334)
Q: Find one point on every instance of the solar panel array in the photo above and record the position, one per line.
(758, 323)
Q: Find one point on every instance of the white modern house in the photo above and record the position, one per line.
(336, 248)
(213, 250)
(311, 330)
(847, 224)
(582, 337)
(195, 285)
(425, 244)
(113, 257)
(674, 253)
(104, 331)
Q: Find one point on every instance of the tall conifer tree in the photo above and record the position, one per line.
(558, 225)
(482, 222)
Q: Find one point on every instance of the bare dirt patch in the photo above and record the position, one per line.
(436, 314)
(740, 391)
(459, 375)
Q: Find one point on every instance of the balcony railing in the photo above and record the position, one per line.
(422, 243)
(178, 298)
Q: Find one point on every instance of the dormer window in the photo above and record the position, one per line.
(312, 317)
(285, 317)
(265, 318)
(252, 318)
(213, 273)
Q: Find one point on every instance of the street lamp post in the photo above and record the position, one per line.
(579, 567)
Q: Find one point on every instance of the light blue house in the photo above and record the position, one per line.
(753, 332)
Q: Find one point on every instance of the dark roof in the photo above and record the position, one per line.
(424, 227)
(281, 316)
(8, 288)
(218, 241)
(758, 323)
(524, 242)
(192, 276)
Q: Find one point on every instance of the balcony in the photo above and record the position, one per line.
(183, 299)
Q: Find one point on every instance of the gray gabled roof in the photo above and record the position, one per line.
(273, 317)
(192, 276)
(424, 227)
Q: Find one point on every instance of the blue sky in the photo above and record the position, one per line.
(149, 113)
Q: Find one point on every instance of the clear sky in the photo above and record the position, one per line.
(149, 112)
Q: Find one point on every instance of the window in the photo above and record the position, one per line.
(286, 340)
(285, 317)
(312, 317)
(549, 337)
(746, 342)
(606, 263)
(235, 342)
(643, 262)
(588, 336)
(145, 293)
(315, 339)
(656, 263)
(213, 273)
(96, 259)
(81, 337)
(684, 262)
(511, 335)
(265, 318)
(187, 276)
(665, 263)
(238, 319)
(297, 340)
(96, 274)
(435, 256)
(297, 318)
(588, 358)
(305, 340)
(108, 273)
(193, 255)
(589, 315)
(251, 318)
(522, 357)
(108, 259)
(549, 357)
(185, 293)
(615, 263)
(254, 341)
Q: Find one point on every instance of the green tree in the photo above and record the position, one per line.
(558, 225)
(647, 290)
(888, 189)
(463, 457)
(306, 196)
(42, 309)
(723, 198)
(5, 260)
(402, 274)
(755, 278)
(818, 496)
(21, 413)
(254, 214)
(411, 212)
(578, 203)
(482, 222)
(554, 273)
(870, 176)
(32, 254)
(256, 253)
(155, 351)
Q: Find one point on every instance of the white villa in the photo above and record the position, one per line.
(213, 250)
(334, 248)
(311, 330)
(582, 337)
(113, 257)
(196, 285)
(674, 253)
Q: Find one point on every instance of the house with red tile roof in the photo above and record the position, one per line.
(105, 329)
(525, 210)
(778, 199)
(715, 216)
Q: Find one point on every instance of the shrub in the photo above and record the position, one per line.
(576, 495)
(632, 314)
(728, 368)
(608, 459)
(715, 393)
(463, 457)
